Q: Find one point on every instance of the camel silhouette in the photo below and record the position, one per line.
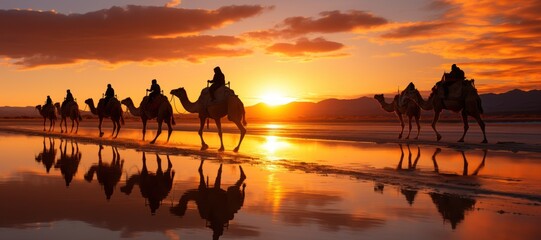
(153, 186)
(214, 204)
(452, 207)
(68, 164)
(465, 161)
(112, 110)
(108, 174)
(48, 155)
(227, 103)
(159, 108)
(47, 111)
(408, 107)
(71, 110)
(463, 97)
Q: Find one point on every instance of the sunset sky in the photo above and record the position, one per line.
(303, 50)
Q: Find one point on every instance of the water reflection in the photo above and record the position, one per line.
(215, 205)
(108, 174)
(411, 166)
(452, 207)
(154, 187)
(465, 161)
(48, 155)
(68, 163)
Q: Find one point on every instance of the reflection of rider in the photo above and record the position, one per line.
(214, 204)
(217, 81)
(154, 90)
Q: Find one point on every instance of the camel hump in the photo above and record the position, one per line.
(155, 104)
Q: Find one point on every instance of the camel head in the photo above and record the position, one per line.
(38, 107)
(127, 101)
(89, 101)
(57, 105)
(379, 97)
(178, 92)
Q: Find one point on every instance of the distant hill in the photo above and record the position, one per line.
(515, 102)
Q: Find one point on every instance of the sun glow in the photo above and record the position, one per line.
(275, 99)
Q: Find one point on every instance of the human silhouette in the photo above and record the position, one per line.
(217, 81)
(48, 155)
(456, 75)
(68, 163)
(109, 93)
(48, 101)
(108, 174)
(69, 96)
(153, 186)
(154, 90)
(452, 207)
(214, 204)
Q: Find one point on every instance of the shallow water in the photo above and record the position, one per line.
(295, 189)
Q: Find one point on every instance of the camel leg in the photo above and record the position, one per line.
(409, 157)
(169, 128)
(144, 127)
(204, 146)
(482, 126)
(114, 128)
(218, 181)
(219, 126)
(72, 125)
(144, 170)
(99, 126)
(117, 127)
(436, 117)
(465, 170)
(409, 124)
(65, 124)
(159, 162)
(466, 125)
(481, 165)
(401, 124)
(158, 132)
(241, 178)
(61, 129)
(436, 168)
(202, 184)
(417, 158)
(44, 121)
(418, 127)
(399, 166)
(77, 122)
(242, 133)
(51, 124)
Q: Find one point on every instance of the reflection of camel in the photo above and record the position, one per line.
(68, 164)
(215, 205)
(113, 110)
(409, 194)
(232, 106)
(48, 155)
(465, 168)
(47, 112)
(154, 186)
(108, 174)
(160, 109)
(469, 103)
(411, 166)
(410, 108)
(71, 110)
(452, 207)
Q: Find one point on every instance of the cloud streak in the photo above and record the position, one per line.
(117, 34)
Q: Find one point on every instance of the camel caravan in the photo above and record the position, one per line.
(453, 92)
(215, 102)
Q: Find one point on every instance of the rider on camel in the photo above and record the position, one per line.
(217, 81)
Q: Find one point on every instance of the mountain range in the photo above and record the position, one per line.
(515, 102)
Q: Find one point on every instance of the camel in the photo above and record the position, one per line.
(48, 155)
(230, 105)
(47, 111)
(468, 103)
(112, 110)
(71, 110)
(153, 186)
(214, 204)
(162, 111)
(411, 109)
(68, 164)
(108, 174)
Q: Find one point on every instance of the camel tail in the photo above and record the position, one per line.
(244, 117)
(208, 124)
(479, 105)
(173, 120)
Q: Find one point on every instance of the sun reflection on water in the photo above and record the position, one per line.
(272, 146)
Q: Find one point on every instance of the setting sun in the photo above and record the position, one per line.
(275, 99)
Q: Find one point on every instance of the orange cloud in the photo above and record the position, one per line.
(305, 47)
(132, 33)
(329, 22)
(494, 40)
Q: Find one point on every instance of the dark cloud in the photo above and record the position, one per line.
(132, 33)
(328, 22)
(305, 47)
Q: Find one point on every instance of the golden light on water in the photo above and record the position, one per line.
(272, 145)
